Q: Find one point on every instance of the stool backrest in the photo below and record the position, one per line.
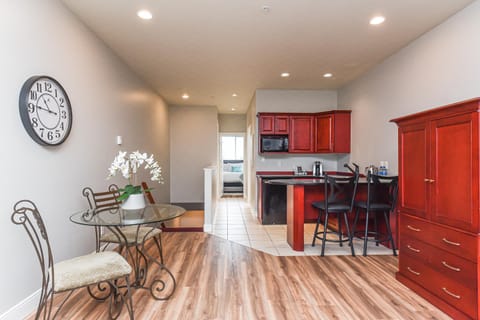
(382, 189)
(27, 215)
(340, 189)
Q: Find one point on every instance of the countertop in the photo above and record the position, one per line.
(306, 182)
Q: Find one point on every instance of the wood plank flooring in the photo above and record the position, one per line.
(219, 279)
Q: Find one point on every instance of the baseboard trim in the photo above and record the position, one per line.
(190, 205)
(22, 309)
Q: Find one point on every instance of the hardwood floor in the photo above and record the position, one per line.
(219, 279)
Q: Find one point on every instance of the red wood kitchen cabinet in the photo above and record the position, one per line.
(273, 123)
(332, 132)
(438, 205)
(301, 139)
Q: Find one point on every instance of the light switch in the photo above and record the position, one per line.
(119, 140)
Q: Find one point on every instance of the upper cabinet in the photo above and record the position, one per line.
(301, 139)
(273, 124)
(322, 132)
(332, 133)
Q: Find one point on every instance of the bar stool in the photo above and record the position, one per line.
(381, 197)
(340, 194)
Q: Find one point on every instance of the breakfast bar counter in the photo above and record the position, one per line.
(300, 194)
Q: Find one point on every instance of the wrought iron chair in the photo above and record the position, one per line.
(340, 194)
(134, 235)
(381, 197)
(102, 268)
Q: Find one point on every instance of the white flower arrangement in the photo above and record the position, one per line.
(129, 165)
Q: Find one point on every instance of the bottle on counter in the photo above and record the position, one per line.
(382, 170)
(317, 168)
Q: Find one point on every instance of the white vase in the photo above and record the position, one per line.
(134, 201)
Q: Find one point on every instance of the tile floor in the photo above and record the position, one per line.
(236, 222)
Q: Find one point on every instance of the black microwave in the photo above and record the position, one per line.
(274, 144)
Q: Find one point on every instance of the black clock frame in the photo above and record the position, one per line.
(23, 107)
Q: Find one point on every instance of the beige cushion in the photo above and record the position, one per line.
(131, 233)
(89, 269)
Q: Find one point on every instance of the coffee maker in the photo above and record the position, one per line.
(317, 168)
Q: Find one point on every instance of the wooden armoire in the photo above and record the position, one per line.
(438, 206)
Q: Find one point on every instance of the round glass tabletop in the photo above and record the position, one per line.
(119, 217)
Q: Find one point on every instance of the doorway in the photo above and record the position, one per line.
(232, 165)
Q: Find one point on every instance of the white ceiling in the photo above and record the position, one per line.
(214, 48)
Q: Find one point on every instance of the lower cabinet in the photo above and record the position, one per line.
(440, 263)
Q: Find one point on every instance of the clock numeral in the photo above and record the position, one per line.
(48, 87)
(62, 126)
(34, 122)
(33, 95)
(57, 133)
(31, 107)
(64, 114)
(39, 87)
(56, 93)
(41, 132)
(62, 101)
(50, 135)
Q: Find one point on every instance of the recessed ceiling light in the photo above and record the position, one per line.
(285, 75)
(185, 96)
(233, 109)
(234, 95)
(377, 20)
(144, 14)
(328, 75)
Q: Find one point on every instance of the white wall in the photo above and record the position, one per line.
(295, 101)
(232, 123)
(441, 67)
(193, 147)
(43, 38)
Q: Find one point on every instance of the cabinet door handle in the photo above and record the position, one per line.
(414, 229)
(412, 248)
(451, 267)
(413, 271)
(456, 296)
(451, 242)
(426, 180)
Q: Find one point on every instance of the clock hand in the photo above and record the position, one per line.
(45, 102)
(48, 110)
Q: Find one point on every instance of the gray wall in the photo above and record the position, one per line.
(193, 146)
(441, 67)
(42, 37)
(232, 123)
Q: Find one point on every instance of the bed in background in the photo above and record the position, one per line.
(232, 176)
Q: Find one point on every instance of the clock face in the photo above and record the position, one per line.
(45, 110)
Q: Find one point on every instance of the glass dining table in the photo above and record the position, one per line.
(115, 220)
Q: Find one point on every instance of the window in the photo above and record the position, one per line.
(232, 148)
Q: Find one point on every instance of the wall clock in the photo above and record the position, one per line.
(45, 110)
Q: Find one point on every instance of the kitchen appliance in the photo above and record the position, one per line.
(274, 144)
(317, 168)
(372, 169)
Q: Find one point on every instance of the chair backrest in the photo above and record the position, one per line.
(382, 189)
(148, 194)
(27, 215)
(340, 190)
(104, 199)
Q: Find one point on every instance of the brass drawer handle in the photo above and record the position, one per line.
(451, 242)
(414, 229)
(413, 271)
(450, 267)
(456, 296)
(412, 248)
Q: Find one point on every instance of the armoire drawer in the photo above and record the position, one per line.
(460, 243)
(411, 227)
(451, 266)
(454, 293)
(454, 241)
